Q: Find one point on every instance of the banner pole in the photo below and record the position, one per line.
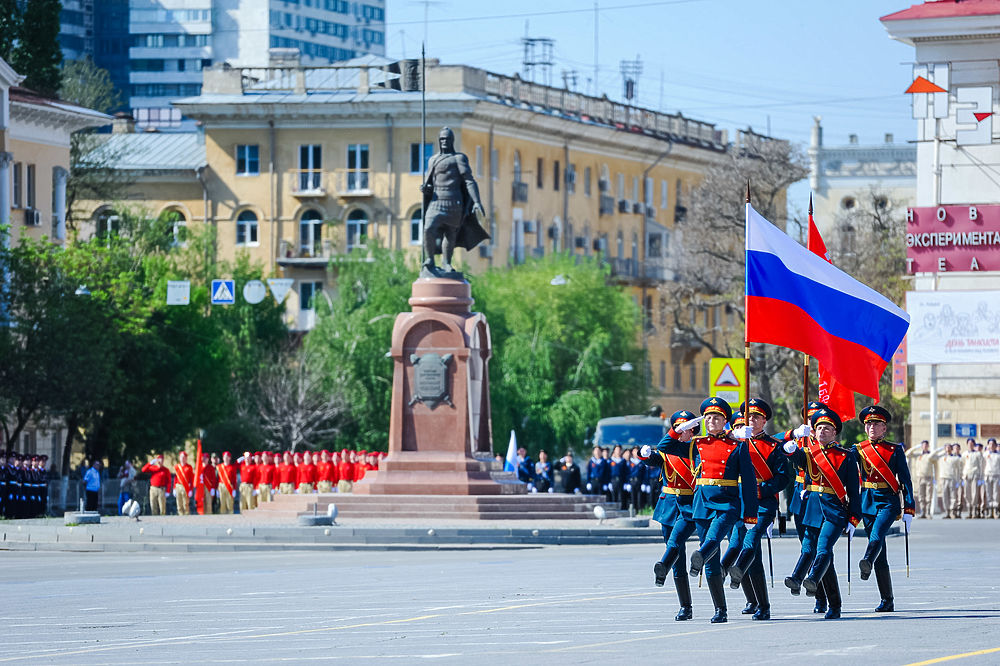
(746, 303)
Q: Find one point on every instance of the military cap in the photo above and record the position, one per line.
(758, 406)
(826, 416)
(680, 416)
(811, 408)
(738, 419)
(716, 405)
(874, 413)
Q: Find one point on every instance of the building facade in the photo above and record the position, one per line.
(839, 174)
(155, 50)
(305, 167)
(957, 50)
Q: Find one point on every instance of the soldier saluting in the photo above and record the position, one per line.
(453, 208)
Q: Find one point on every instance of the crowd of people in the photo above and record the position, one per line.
(24, 483)
(954, 482)
(220, 484)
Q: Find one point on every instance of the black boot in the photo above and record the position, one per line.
(728, 559)
(794, 582)
(697, 562)
(820, 606)
(884, 581)
(661, 568)
(756, 578)
(812, 581)
(739, 567)
(683, 585)
(832, 588)
(718, 592)
(868, 561)
(750, 593)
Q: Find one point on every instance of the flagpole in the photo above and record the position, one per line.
(746, 304)
(805, 357)
(423, 142)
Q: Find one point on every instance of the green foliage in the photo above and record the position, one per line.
(10, 27)
(558, 350)
(352, 335)
(37, 54)
(88, 85)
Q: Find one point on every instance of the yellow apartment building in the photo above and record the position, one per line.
(304, 167)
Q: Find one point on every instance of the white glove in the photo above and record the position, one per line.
(743, 432)
(255, 493)
(803, 430)
(689, 425)
(790, 447)
(190, 493)
(296, 491)
(770, 529)
(850, 531)
(802, 494)
(552, 490)
(212, 492)
(590, 486)
(645, 451)
(907, 519)
(749, 526)
(234, 494)
(607, 486)
(645, 488)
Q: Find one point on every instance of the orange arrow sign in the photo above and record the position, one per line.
(922, 85)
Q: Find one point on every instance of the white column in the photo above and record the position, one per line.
(59, 177)
(5, 161)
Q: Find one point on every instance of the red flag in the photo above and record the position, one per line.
(199, 481)
(836, 396)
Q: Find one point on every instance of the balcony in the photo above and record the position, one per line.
(623, 268)
(308, 183)
(353, 183)
(606, 206)
(296, 255)
(519, 193)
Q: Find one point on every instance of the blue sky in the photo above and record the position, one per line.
(732, 62)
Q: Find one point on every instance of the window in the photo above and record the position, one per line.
(357, 229)
(415, 165)
(647, 196)
(311, 234)
(555, 175)
(540, 174)
(571, 178)
(664, 192)
(621, 186)
(586, 181)
(181, 65)
(517, 166)
(246, 228)
(495, 164)
(663, 375)
(635, 188)
(416, 228)
(177, 231)
(310, 167)
(692, 374)
(307, 294)
(479, 161)
(29, 180)
(704, 377)
(17, 184)
(677, 378)
(106, 224)
(247, 160)
(357, 167)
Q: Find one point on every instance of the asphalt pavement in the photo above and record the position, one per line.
(553, 604)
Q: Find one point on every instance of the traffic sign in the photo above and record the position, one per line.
(965, 430)
(178, 292)
(726, 376)
(223, 292)
(280, 288)
(254, 292)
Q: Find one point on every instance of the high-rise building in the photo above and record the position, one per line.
(156, 50)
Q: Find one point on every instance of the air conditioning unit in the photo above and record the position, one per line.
(580, 242)
(32, 217)
(623, 206)
(553, 232)
(530, 227)
(486, 251)
(637, 207)
(602, 185)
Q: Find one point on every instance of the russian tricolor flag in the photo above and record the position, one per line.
(798, 300)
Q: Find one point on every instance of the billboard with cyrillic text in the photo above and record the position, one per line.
(953, 327)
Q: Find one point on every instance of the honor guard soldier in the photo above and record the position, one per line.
(209, 484)
(345, 471)
(884, 477)
(183, 484)
(248, 482)
(286, 474)
(923, 463)
(324, 473)
(265, 477)
(159, 485)
(567, 475)
(950, 474)
(833, 504)
(598, 472)
(674, 509)
(227, 472)
(736, 537)
(771, 470)
(306, 474)
(719, 500)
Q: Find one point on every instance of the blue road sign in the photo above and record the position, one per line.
(223, 292)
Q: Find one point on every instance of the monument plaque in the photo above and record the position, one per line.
(430, 379)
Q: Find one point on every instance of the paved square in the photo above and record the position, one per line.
(565, 604)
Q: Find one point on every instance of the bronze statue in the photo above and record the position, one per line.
(454, 211)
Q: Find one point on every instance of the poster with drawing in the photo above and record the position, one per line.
(953, 327)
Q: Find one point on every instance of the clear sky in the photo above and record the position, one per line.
(735, 63)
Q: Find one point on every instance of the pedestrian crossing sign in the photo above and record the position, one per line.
(223, 292)
(727, 380)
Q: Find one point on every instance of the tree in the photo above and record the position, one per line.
(559, 350)
(37, 54)
(87, 85)
(709, 257)
(10, 27)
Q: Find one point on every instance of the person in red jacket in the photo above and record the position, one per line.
(265, 477)
(159, 484)
(209, 481)
(184, 483)
(306, 476)
(227, 482)
(248, 481)
(286, 474)
(346, 471)
(324, 473)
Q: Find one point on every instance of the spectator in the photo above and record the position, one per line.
(950, 474)
(159, 484)
(525, 468)
(991, 468)
(543, 473)
(972, 478)
(567, 475)
(92, 483)
(126, 474)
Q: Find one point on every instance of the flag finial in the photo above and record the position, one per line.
(748, 190)
(810, 203)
